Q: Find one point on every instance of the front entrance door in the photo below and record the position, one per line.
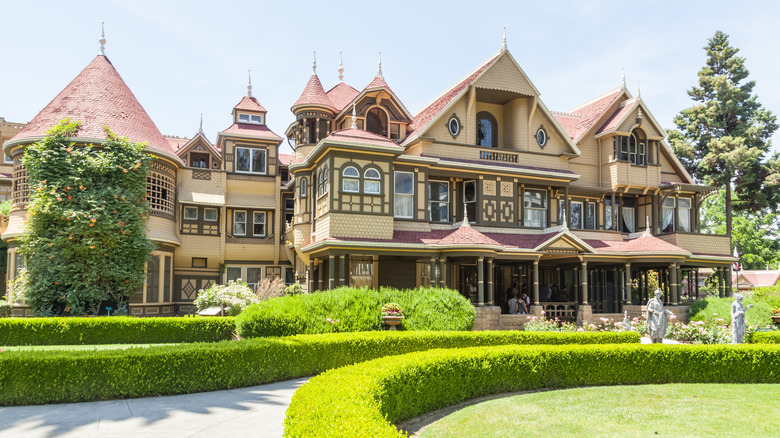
(468, 282)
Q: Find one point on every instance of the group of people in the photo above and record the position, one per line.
(519, 302)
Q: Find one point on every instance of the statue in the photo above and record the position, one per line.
(657, 318)
(626, 321)
(738, 319)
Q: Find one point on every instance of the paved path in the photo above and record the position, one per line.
(256, 411)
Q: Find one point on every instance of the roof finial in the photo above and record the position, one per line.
(648, 231)
(354, 117)
(249, 85)
(341, 69)
(624, 78)
(314, 63)
(565, 223)
(638, 93)
(200, 130)
(102, 39)
(379, 70)
(503, 41)
(465, 222)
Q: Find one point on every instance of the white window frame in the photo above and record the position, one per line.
(472, 220)
(255, 119)
(587, 212)
(632, 149)
(353, 179)
(680, 208)
(243, 271)
(371, 181)
(190, 208)
(580, 225)
(322, 181)
(446, 202)
(642, 152)
(404, 196)
(235, 212)
(304, 189)
(251, 160)
(673, 207)
(206, 217)
(263, 222)
(527, 208)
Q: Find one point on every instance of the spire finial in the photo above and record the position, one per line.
(379, 70)
(314, 63)
(465, 222)
(503, 41)
(638, 92)
(565, 224)
(624, 78)
(249, 84)
(102, 39)
(648, 231)
(341, 69)
(200, 130)
(354, 117)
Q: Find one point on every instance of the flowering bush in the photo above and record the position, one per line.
(775, 311)
(392, 309)
(711, 331)
(537, 324)
(235, 296)
(294, 289)
(604, 325)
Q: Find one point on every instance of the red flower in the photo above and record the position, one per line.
(91, 225)
(67, 309)
(59, 199)
(56, 282)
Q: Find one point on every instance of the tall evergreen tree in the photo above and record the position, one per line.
(725, 138)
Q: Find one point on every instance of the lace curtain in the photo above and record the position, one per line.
(628, 219)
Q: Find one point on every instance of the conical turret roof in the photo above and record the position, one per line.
(313, 94)
(98, 97)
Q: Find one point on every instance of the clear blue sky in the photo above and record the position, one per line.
(184, 58)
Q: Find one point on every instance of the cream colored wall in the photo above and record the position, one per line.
(646, 126)
(668, 173)
(161, 229)
(504, 75)
(361, 226)
(250, 252)
(515, 127)
(251, 193)
(440, 131)
(209, 247)
(556, 143)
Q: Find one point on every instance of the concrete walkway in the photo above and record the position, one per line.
(256, 411)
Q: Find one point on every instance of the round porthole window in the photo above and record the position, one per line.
(541, 137)
(454, 126)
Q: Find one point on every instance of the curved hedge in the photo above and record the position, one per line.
(368, 398)
(113, 330)
(766, 338)
(69, 376)
(355, 310)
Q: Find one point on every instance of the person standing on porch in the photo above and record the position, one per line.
(545, 292)
(657, 318)
(513, 303)
(738, 325)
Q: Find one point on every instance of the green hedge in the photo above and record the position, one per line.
(6, 309)
(113, 330)
(714, 307)
(355, 310)
(367, 399)
(766, 338)
(69, 376)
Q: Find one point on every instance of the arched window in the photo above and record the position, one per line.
(322, 181)
(487, 130)
(376, 121)
(638, 148)
(350, 179)
(371, 183)
(304, 188)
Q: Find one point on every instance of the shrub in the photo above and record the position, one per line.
(235, 296)
(712, 307)
(5, 207)
(294, 289)
(35, 377)
(357, 310)
(113, 330)
(368, 398)
(766, 337)
(6, 309)
(269, 288)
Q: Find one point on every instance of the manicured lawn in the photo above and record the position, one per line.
(78, 347)
(707, 410)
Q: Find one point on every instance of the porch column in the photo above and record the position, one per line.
(536, 283)
(721, 286)
(342, 270)
(729, 287)
(566, 206)
(311, 276)
(442, 272)
(376, 272)
(673, 290)
(432, 278)
(584, 281)
(575, 285)
(696, 284)
(627, 298)
(321, 275)
(331, 272)
(490, 295)
(615, 289)
(613, 213)
(480, 281)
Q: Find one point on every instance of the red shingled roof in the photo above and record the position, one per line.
(249, 104)
(641, 244)
(286, 159)
(176, 142)
(467, 235)
(313, 94)
(252, 130)
(341, 95)
(760, 278)
(615, 119)
(427, 114)
(586, 115)
(96, 97)
(361, 136)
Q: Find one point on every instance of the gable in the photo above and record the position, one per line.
(565, 242)
(648, 125)
(505, 75)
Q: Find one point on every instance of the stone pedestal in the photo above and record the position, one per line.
(537, 311)
(584, 314)
(487, 318)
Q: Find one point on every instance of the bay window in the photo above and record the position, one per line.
(403, 200)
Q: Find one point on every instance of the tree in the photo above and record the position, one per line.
(754, 234)
(723, 141)
(85, 240)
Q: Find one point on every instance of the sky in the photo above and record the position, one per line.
(182, 59)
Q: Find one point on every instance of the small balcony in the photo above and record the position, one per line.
(710, 244)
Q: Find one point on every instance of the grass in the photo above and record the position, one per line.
(622, 411)
(78, 347)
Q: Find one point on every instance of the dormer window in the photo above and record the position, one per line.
(487, 130)
(250, 118)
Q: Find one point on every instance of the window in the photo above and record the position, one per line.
(541, 137)
(258, 224)
(439, 201)
(8, 159)
(667, 215)
(304, 187)
(576, 218)
(199, 160)
(233, 273)
(350, 181)
(376, 121)
(210, 214)
(632, 149)
(623, 148)
(629, 216)
(684, 214)
(289, 210)
(591, 220)
(535, 208)
(239, 223)
(361, 271)
(642, 154)
(608, 214)
(199, 262)
(160, 192)
(487, 130)
(246, 118)
(289, 276)
(254, 275)
(470, 200)
(371, 183)
(191, 213)
(454, 126)
(404, 195)
(395, 131)
(250, 160)
(322, 181)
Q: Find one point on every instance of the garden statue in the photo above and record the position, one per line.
(657, 318)
(738, 319)
(626, 321)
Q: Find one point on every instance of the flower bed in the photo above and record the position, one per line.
(57, 377)
(368, 398)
